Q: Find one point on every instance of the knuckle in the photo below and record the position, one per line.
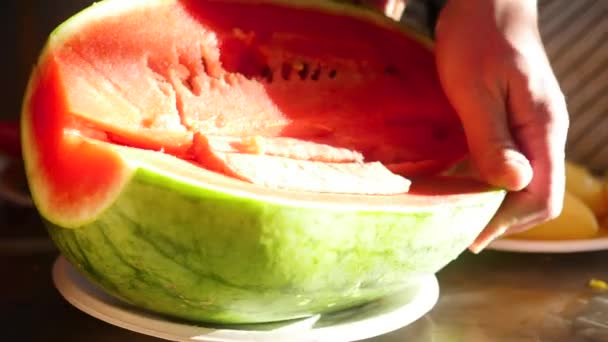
(521, 66)
(542, 209)
(549, 115)
(536, 77)
(546, 209)
(546, 112)
(552, 211)
(547, 109)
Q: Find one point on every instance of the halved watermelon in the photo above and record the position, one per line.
(143, 122)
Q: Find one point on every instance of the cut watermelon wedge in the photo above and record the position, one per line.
(229, 161)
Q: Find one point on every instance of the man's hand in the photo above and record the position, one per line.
(495, 72)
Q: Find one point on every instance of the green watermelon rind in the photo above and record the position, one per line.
(205, 251)
(270, 262)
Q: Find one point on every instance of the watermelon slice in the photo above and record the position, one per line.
(230, 161)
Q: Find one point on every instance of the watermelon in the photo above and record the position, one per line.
(143, 120)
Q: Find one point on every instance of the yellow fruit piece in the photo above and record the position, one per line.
(588, 187)
(598, 284)
(576, 221)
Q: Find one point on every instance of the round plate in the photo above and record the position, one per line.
(545, 246)
(370, 320)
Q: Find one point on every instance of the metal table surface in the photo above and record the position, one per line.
(494, 296)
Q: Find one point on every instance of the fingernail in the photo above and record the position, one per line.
(475, 249)
(484, 241)
(518, 172)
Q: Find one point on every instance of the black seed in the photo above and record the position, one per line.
(304, 71)
(266, 74)
(391, 70)
(286, 71)
(316, 74)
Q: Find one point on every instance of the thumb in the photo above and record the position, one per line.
(493, 150)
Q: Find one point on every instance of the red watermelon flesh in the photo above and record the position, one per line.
(280, 147)
(287, 94)
(301, 174)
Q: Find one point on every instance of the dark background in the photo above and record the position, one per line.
(24, 27)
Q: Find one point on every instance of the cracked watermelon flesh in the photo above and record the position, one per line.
(109, 122)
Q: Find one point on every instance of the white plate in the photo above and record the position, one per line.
(374, 319)
(546, 246)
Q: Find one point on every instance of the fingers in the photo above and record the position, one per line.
(494, 151)
(512, 110)
(520, 211)
(540, 123)
(540, 201)
(482, 110)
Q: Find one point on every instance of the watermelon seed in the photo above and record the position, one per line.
(316, 74)
(267, 74)
(333, 73)
(391, 70)
(286, 71)
(303, 73)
